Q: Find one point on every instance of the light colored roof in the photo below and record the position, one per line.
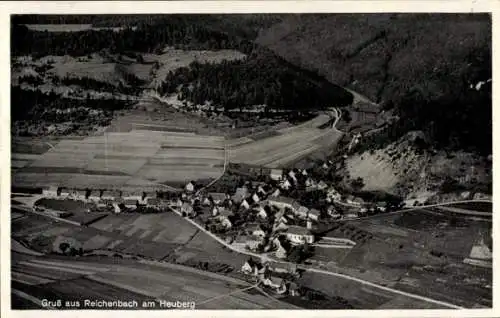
(283, 199)
(314, 212)
(275, 171)
(302, 209)
(217, 195)
(298, 230)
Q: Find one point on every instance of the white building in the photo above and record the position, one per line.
(299, 235)
(189, 187)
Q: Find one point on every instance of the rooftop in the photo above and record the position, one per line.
(283, 199)
(299, 230)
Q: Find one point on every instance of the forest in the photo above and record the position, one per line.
(258, 80)
(35, 105)
(182, 32)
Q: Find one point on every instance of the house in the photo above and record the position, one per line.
(64, 193)
(276, 193)
(261, 212)
(325, 166)
(350, 216)
(256, 230)
(278, 284)
(111, 195)
(288, 268)
(256, 197)
(313, 214)
(179, 203)
(311, 183)
(51, 191)
(282, 202)
(224, 218)
(276, 174)
(333, 213)
(253, 243)
(292, 176)
(154, 203)
(247, 267)
(206, 201)
(322, 185)
(130, 203)
(80, 194)
(245, 204)
(333, 195)
(285, 184)
(240, 194)
(301, 212)
(217, 197)
(358, 201)
(299, 235)
(187, 208)
(95, 195)
(116, 208)
(215, 211)
(189, 187)
(304, 172)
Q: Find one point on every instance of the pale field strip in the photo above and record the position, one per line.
(239, 141)
(176, 174)
(288, 159)
(147, 123)
(81, 181)
(187, 161)
(59, 27)
(190, 153)
(313, 123)
(281, 152)
(273, 143)
(96, 242)
(29, 279)
(128, 166)
(24, 156)
(40, 179)
(19, 163)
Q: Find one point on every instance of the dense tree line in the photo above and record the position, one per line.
(180, 32)
(28, 105)
(462, 120)
(101, 86)
(259, 79)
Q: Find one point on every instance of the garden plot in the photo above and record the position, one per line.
(128, 166)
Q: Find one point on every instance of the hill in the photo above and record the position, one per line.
(422, 65)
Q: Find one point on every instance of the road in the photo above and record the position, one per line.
(265, 258)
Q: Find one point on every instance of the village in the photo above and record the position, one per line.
(260, 217)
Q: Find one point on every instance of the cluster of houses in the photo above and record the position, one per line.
(268, 274)
(110, 199)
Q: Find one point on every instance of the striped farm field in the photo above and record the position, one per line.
(287, 146)
(133, 159)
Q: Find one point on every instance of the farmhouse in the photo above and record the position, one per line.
(322, 185)
(111, 195)
(299, 235)
(283, 202)
(287, 268)
(189, 187)
(292, 176)
(313, 214)
(276, 193)
(130, 203)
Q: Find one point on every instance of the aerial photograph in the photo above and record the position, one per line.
(324, 161)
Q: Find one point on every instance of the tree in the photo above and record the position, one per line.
(64, 246)
(357, 184)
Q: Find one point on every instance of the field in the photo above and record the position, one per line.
(137, 159)
(421, 252)
(284, 146)
(111, 279)
(474, 206)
